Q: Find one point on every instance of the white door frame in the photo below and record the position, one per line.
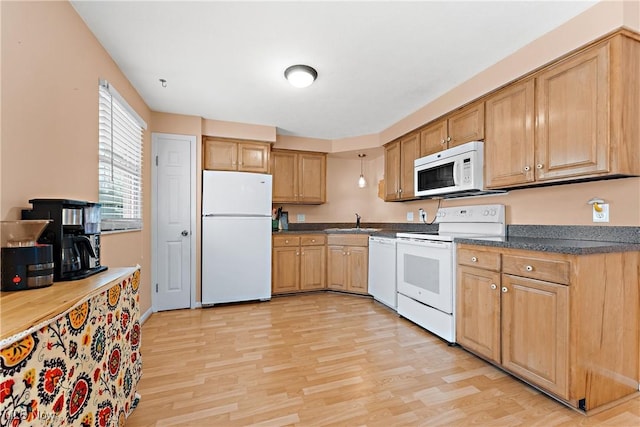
(154, 217)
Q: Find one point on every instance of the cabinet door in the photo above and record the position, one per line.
(357, 269)
(535, 332)
(284, 169)
(433, 138)
(392, 171)
(313, 267)
(311, 177)
(286, 269)
(409, 152)
(337, 267)
(572, 99)
(466, 125)
(220, 155)
(253, 157)
(508, 148)
(478, 307)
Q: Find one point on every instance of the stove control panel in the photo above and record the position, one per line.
(478, 213)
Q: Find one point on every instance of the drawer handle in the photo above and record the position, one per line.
(474, 259)
(493, 286)
(286, 241)
(528, 268)
(504, 289)
(527, 168)
(313, 240)
(539, 166)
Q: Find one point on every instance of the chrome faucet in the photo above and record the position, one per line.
(357, 221)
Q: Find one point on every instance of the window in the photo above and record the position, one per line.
(120, 161)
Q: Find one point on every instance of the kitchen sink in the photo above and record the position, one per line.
(351, 230)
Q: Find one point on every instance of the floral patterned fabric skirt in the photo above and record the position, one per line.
(80, 368)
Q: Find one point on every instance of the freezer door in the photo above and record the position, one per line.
(236, 259)
(234, 193)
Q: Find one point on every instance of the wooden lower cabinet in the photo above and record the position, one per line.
(298, 263)
(568, 324)
(348, 263)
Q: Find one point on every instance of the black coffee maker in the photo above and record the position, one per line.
(74, 234)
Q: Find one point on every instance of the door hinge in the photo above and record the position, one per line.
(156, 288)
(156, 160)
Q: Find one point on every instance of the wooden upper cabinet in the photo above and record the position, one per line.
(399, 167)
(459, 127)
(298, 176)
(433, 138)
(466, 125)
(573, 119)
(235, 155)
(392, 171)
(509, 138)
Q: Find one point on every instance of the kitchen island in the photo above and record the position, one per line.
(69, 353)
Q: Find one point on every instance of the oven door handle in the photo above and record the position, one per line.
(438, 244)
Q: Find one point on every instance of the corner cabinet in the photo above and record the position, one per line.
(574, 119)
(299, 176)
(235, 155)
(348, 258)
(399, 157)
(567, 324)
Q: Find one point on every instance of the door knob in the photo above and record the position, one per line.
(185, 233)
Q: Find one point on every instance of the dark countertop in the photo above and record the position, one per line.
(566, 239)
(563, 246)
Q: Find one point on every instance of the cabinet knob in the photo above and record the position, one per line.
(494, 286)
(474, 259)
(297, 253)
(313, 240)
(344, 253)
(529, 268)
(539, 165)
(443, 142)
(302, 253)
(348, 253)
(504, 289)
(448, 139)
(286, 242)
(527, 168)
(400, 190)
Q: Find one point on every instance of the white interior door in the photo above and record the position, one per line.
(174, 214)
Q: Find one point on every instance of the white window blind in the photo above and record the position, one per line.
(120, 161)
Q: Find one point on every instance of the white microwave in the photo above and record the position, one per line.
(454, 172)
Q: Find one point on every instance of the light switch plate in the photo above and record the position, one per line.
(300, 217)
(602, 216)
(409, 216)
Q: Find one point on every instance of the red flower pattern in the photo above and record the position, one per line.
(6, 389)
(51, 378)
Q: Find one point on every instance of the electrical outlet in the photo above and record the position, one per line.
(300, 217)
(409, 216)
(603, 215)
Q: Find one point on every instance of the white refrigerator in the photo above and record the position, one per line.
(236, 237)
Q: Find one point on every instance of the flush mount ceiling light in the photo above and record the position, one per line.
(300, 75)
(361, 181)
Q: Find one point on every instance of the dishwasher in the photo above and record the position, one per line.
(382, 270)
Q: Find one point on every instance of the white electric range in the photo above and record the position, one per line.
(426, 265)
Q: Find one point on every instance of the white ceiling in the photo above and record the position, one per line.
(377, 61)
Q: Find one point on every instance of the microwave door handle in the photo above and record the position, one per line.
(456, 171)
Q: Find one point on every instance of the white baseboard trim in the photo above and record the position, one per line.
(145, 316)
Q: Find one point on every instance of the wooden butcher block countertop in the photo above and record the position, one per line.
(21, 310)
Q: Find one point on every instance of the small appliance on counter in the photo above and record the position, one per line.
(74, 233)
(25, 263)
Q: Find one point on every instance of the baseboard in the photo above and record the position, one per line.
(145, 316)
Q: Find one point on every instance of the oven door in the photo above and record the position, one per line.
(425, 272)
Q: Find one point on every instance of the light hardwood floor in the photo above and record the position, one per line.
(328, 359)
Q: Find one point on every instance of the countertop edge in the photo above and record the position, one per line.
(540, 246)
(92, 285)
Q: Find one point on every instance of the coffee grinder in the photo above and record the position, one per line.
(26, 264)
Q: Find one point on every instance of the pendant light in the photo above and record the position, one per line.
(361, 181)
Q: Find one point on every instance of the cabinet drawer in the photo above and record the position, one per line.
(348, 239)
(549, 270)
(479, 258)
(280, 241)
(313, 240)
